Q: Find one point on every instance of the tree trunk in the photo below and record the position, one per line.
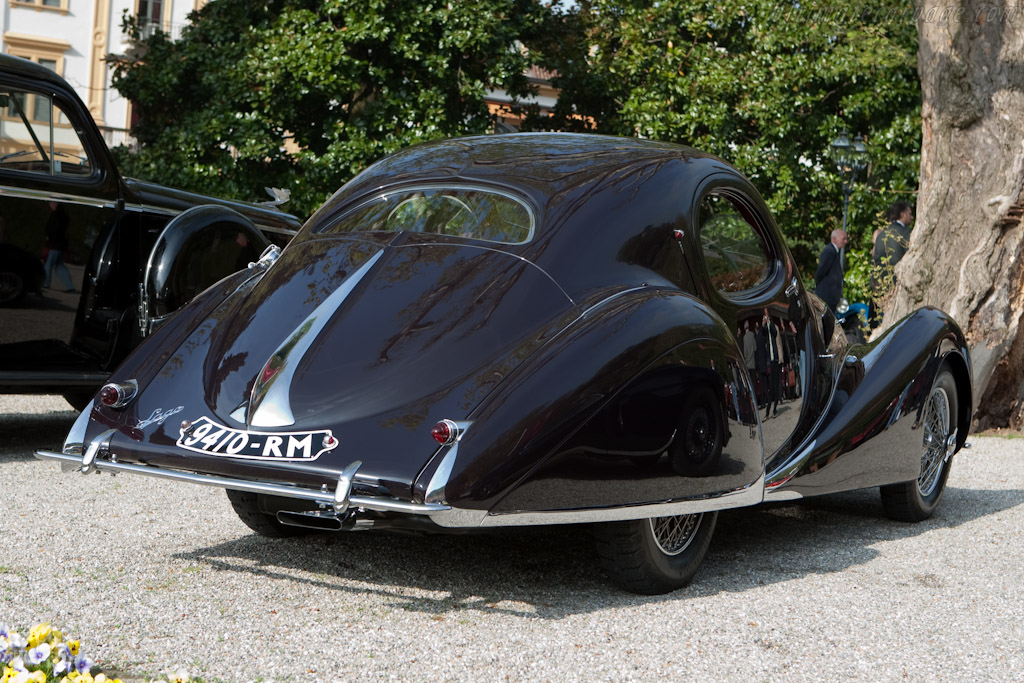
(965, 250)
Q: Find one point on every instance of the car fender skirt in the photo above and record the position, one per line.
(581, 427)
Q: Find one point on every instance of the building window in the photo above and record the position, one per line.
(46, 52)
(52, 5)
(150, 15)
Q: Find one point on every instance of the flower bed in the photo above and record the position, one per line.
(44, 656)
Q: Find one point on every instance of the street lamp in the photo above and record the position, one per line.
(851, 159)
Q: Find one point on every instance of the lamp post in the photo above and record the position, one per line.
(851, 159)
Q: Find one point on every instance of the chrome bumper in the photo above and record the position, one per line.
(98, 458)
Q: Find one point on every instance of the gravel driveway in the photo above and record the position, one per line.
(153, 575)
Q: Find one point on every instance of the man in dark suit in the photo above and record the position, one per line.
(828, 278)
(889, 247)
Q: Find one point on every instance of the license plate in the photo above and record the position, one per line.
(206, 436)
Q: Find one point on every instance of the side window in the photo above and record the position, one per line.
(735, 254)
(36, 136)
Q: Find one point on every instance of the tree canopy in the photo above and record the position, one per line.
(343, 82)
(764, 85)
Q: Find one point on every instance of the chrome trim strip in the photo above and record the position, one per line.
(614, 296)
(49, 195)
(321, 496)
(750, 495)
(152, 209)
(269, 404)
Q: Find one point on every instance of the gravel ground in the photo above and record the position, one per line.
(156, 575)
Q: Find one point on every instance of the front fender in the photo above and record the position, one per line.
(583, 424)
(871, 436)
(198, 248)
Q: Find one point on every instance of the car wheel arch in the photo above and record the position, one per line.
(163, 289)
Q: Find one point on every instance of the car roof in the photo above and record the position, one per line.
(602, 204)
(541, 165)
(28, 69)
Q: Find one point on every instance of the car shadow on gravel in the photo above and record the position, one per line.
(21, 434)
(552, 572)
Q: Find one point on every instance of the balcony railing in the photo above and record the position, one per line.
(118, 136)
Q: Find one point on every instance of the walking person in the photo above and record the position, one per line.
(56, 245)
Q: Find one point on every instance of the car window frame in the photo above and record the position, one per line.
(721, 185)
(96, 152)
(324, 230)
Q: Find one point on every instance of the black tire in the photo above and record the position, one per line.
(12, 287)
(247, 507)
(657, 555)
(914, 501)
(697, 448)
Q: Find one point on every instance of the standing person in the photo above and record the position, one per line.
(889, 248)
(750, 356)
(56, 245)
(828, 278)
(769, 340)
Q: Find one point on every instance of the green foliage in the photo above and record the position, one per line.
(344, 81)
(765, 85)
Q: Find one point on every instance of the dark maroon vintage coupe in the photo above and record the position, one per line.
(533, 329)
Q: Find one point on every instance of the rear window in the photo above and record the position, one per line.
(449, 210)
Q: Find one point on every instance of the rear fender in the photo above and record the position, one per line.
(198, 248)
(585, 422)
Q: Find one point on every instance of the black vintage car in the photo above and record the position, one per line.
(534, 329)
(121, 254)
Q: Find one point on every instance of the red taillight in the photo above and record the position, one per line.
(118, 395)
(445, 432)
(109, 395)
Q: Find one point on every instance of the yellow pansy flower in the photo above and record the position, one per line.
(37, 677)
(73, 647)
(38, 634)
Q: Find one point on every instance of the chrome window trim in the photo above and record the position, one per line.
(470, 187)
(49, 195)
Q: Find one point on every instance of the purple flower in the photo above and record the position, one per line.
(82, 664)
(39, 654)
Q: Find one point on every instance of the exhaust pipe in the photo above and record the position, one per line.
(310, 520)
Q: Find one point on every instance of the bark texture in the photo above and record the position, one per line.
(965, 250)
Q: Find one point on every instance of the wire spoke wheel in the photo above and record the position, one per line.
(674, 534)
(936, 433)
(915, 500)
(656, 555)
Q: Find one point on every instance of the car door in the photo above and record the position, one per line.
(748, 276)
(58, 200)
